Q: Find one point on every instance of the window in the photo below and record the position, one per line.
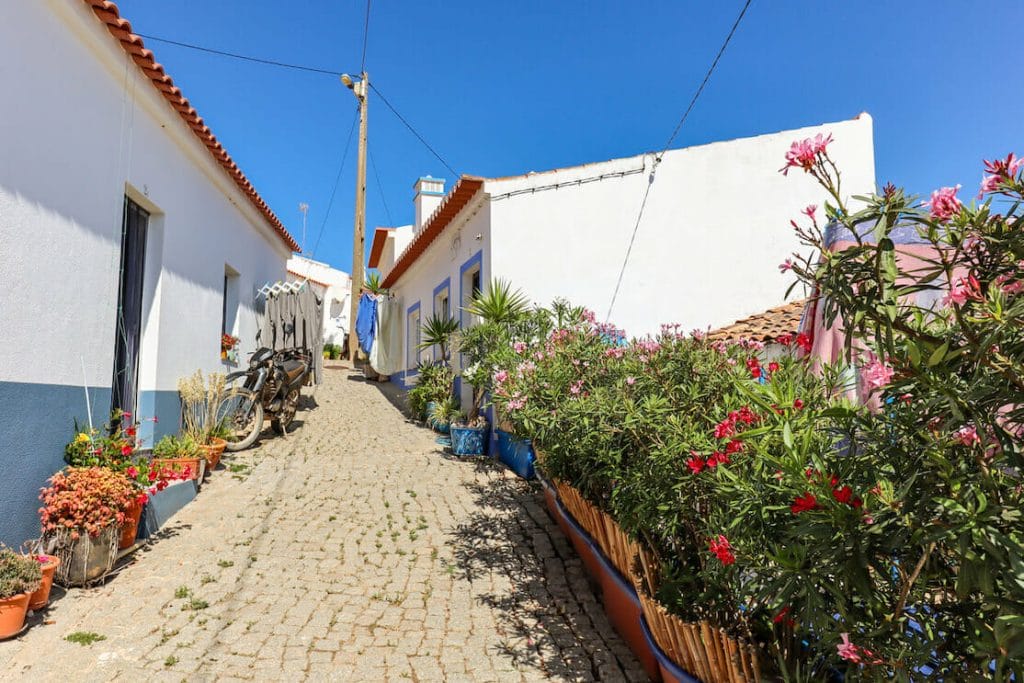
(229, 312)
(412, 342)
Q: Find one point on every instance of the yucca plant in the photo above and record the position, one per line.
(499, 303)
(438, 331)
(374, 284)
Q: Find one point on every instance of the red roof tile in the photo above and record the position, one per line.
(449, 208)
(107, 12)
(766, 326)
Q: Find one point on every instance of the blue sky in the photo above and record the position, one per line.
(504, 88)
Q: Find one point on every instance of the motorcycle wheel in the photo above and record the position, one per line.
(242, 412)
(287, 413)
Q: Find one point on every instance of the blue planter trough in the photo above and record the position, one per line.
(469, 440)
(164, 505)
(517, 455)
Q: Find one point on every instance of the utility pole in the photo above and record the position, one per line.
(361, 89)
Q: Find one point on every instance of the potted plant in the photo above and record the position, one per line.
(20, 575)
(180, 454)
(229, 348)
(469, 437)
(41, 597)
(200, 404)
(443, 413)
(82, 513)
(435, 383)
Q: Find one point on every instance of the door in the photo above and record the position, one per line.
(128, 332)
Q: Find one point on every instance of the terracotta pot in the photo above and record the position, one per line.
(622, 606)
(130, 527)
(179, 465)
(41, 597)
(12, 614)
(212, 452)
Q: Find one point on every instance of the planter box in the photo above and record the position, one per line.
(518, 455)
(670, 671)
(469, 440)
(165, 504)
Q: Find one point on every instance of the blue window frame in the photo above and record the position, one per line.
(442, 305)
(412, 338)
(471, 274)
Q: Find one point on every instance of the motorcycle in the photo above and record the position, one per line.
(270, 388)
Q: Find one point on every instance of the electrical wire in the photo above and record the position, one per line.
(366, 35)
(380, 186)
(235, 55)
(334, 190)
(657, 158)
(411, 129)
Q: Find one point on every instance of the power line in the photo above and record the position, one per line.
(334, 190)
(234, 55)
(366, 35)
(311, 69)
(412, 130)
(657, 157)
(380, 186)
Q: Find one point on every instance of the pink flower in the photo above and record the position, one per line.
(875, 373)
(500, 376)
(944, 203)
(848, 650)
(631, 380)
(967, 435)
(786, 265)
(989, 183)
(809, 211)
(131, 472)
(519, 347)
(576, 387)
(1005, 168)
(963, 290)
(803, 153)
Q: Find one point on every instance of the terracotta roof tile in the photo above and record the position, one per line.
(766, 326)
(449, 208)
(120, 28)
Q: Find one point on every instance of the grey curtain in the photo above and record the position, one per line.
(295, 319)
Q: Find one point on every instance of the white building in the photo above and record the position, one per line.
(706, 252)
(131, 240)
(334, 287)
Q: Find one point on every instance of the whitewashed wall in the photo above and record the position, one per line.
(467, 235)
(714, 230)
(88, 128)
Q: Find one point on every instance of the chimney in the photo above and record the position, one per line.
(429, 193)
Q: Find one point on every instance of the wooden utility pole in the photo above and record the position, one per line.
(362, 91)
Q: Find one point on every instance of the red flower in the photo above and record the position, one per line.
(843, 494)
(785, 339)
(725, 428)
(718, 458)
(130, 431)
(126, 450)
(734, 446)
(695, 463)
(804, 342)
(755, 368)
(804, 503)
(783, 617)
(746, 415)
(798, 404)
(722, 550)
(773, 367)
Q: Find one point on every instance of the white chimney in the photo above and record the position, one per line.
(429, 193)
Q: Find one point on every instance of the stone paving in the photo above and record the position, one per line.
(353, 550)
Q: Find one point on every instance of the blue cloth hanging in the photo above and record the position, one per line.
(366, 322)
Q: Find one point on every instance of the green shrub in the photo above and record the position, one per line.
(172, 446)
(18, 573)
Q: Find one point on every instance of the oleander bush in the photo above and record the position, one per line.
(879, 538)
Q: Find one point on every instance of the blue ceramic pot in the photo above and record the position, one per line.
(469, 440)
(518, 455)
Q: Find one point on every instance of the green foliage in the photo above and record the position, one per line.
(435, 383)
(84, 638)
(18, 573)
(498, 303)
(445, 411)
(333, 351)
(172, 446)
(374, 283)
(438, 331)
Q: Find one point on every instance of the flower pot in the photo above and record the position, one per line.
(469, 440)
(130, 526)
(517, 455)
(622, 606)
(41, 598)
(582, 542)
(180, 465)
(12, 614)
(212, 452)
(84, 559)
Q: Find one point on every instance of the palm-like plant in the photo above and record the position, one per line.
(374, 284)
(499, 303)
(438, 331)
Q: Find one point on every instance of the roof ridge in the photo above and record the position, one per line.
(121, 29)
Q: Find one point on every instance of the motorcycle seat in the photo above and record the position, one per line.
(293, 369)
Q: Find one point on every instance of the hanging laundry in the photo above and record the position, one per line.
(366, 322)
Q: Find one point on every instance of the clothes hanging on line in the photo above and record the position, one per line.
(386, 355)
(366, 322)
(294, 318)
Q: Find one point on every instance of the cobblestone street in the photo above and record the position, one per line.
(353, 550)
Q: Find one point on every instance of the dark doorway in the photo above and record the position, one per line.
(128, 333)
